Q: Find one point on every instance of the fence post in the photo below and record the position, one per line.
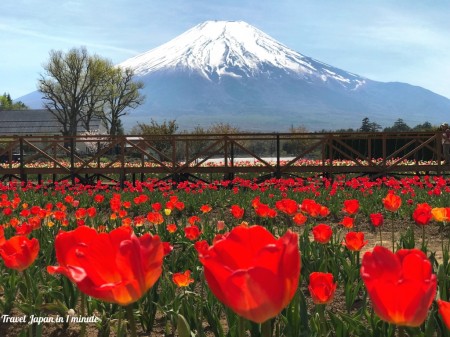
(72, 159)
(23, 176)
(122, 162)
(278, 168)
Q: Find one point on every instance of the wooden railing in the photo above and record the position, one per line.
(186, 156)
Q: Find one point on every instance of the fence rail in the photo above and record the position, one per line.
(186, 156)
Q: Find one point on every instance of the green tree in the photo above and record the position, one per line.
(398, 126)
(155, 128)
(121, 94)
(368, 126)
(166, 128)
(296, 144)
(425, 127)
(78, 87)
(6, 103)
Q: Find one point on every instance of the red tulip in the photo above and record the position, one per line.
(193, 219)
(392, 202)
(252, 272)
(287, 206)
(115, 267)
(192, 232)
(322, 233)
(321, 287)
(351, 206)
(444, 311)
(311, 207)
(299, 219)
(237, 211)
(19, 252)
(264, 211)
(376, 219)
(167, 248)
(422, 214)
(155, 218)
(2, 235)
(401, 285)
(355, 241)
(347, 222)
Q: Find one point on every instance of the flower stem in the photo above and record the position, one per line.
(83, 313)
(323, 322)
(381, 238)
(393, 236)
(119, 324)
(241, 326)
(131, 320)
(30, 298)
(423, 239)
(266, 329)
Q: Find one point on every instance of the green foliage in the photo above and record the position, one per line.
(78, 87)
(6, 103)
(368, 126)
(154, 128)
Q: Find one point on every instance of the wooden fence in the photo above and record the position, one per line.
(186, 156)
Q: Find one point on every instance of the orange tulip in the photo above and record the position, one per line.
(392, 202)
(441, 214)
(299, 219)
(401, 285)
(115, 267)
(182, 279)
(205, 208)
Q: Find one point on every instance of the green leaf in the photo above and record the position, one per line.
(183, 327)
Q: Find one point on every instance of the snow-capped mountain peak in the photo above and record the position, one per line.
(234, 48)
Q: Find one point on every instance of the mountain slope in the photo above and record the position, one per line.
(228, 71)
(217, 49)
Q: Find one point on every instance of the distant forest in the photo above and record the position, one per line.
(398, 126)
(172, 127)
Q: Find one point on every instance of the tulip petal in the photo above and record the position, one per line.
(256, 294)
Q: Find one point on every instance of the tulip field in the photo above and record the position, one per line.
(348, 256)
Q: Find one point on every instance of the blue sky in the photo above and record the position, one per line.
(397, 40)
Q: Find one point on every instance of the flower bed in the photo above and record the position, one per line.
(286, 257)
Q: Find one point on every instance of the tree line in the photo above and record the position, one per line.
(398, 126)
(6, 103)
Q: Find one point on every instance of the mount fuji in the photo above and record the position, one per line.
(231, 72)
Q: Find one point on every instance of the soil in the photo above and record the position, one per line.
(432, 232)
